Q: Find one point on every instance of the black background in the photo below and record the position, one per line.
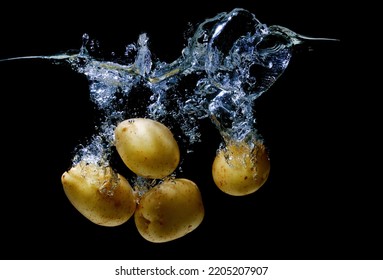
(317, 203)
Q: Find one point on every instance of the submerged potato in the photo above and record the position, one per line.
(239, 169)
(101, 195)
(147, 147)
(169, 210)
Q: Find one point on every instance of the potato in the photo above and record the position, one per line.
(240, 169)
(101, 195)
(147, 147)
(169, 210)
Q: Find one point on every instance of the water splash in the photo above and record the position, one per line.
(226, 65)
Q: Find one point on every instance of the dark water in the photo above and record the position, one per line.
(308, 208)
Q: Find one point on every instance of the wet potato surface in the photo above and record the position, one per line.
(169, 210)
(241, 170)
(102, 196)
(147, 147)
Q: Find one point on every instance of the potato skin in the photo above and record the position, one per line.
(169, 210)
(241, 170)
(102, 196)
(147, 147)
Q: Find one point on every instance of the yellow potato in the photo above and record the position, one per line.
(101, 195)
(147, 147)
(169, 210)
(239, 169)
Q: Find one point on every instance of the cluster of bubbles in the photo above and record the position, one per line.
(228, 62)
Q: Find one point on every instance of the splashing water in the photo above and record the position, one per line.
(229, 62)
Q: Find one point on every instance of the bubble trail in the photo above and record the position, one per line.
(228, 63)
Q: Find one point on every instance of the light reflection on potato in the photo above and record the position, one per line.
(101, 195)
(240, 169)
(169, 210)
(147, 147)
